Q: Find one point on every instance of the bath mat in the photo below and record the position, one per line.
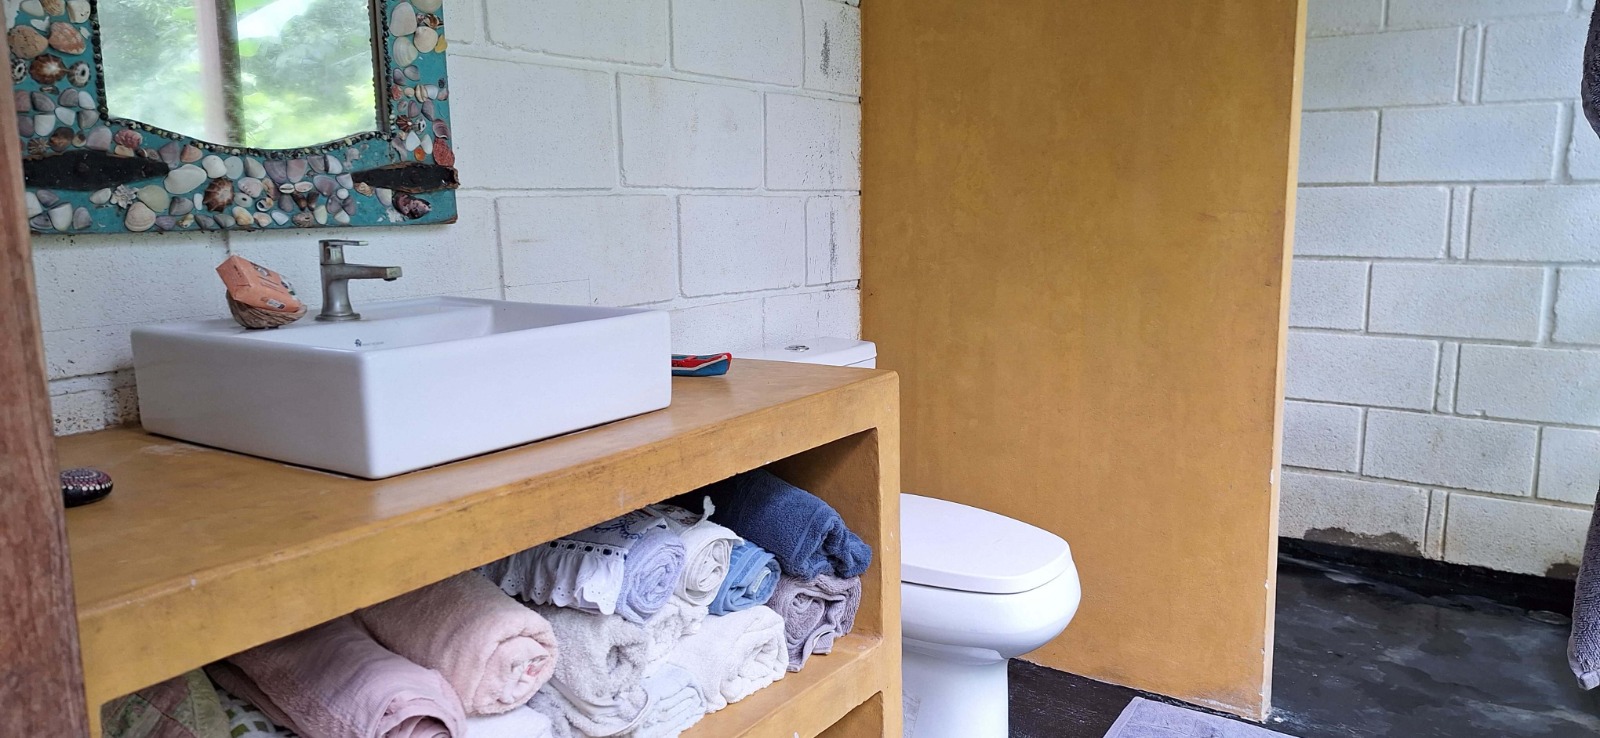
(1146, 719)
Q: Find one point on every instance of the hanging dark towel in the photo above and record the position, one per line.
(1583, 647)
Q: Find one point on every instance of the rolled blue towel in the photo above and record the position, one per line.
(806, 535)
(752, 578)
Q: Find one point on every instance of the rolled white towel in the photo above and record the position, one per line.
(734, 655)
(668, 628)
(707, 550)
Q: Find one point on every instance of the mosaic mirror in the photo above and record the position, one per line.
(184, 115)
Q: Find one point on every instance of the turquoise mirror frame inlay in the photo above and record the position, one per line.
(87, 172)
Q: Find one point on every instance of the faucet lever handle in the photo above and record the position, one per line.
(333, 249)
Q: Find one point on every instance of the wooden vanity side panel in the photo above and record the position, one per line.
(41, 681)
(1075, 235)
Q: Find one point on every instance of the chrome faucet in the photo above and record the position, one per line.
(336, 276)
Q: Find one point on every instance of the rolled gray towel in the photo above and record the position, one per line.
(1583, 647)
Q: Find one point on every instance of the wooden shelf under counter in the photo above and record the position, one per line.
(199, 553)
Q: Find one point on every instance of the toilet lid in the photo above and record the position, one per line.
(952, 546)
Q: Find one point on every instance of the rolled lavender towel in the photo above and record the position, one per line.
(675, 704)
(523, 722)
(707, 550)
(1583, 646)
(494, 652)
(806, 535)
(734, 655)
(335, 681)
(596, 689)
(815, 612)
(628, 566)
(752, 578)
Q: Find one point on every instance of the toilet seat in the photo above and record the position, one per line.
(953, 546)
(1001, 626)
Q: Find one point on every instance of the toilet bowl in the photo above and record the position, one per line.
(977, 589)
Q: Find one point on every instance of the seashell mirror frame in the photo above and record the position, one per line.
(87, 172)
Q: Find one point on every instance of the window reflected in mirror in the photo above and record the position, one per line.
(265, 74)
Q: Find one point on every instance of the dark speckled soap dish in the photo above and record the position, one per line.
(84, 485)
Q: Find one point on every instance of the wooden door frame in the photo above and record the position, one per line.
(41, 672)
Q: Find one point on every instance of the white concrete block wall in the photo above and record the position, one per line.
(695, 156)
(1444, 356)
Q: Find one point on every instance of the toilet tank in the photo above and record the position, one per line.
(829, 351)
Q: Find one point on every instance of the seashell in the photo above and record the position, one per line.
(61, 216)
(206, 222)
(25, 126)
(430, 110)
(53, 7)
(386, 196)
(19, 70)
(78, 75)
(43, 123)
(69, 97)
(403, 21)
(192, 154)
(335, 205)
(306, 201)
(31, 200)
(87, 119)
(444, 92)
(186, 221)
(78, 139)
(253, 168)
(42, 102)
(98, 138)
(85, 100)
(440, 45)
(47, 69)
(263, 220)
(424, 39)
(428, 6)
(319, 164)
(250, 186)
(441, 129)
(304, 220)
(40, 222)
(396, 92)
(325, 184)
(81, 218)
(180, 206)
(398, 141)
(297, 169)
(334, 165)
(25, 42)
(61, 138)
(285, 202)
(225, 220)
(169, 154)
(350, 207)
(140, 218)
(185, 179)
(280, 217)
(412, 142)
(242, 217)
(412, 73)
(166, 222)
(342, 218)
(155, 196)
(65, 38)
(320, 214)
(344, 180)
(67, 116)
(402, 51)
(286, 188)
(78, 10)
(241, 200)
(218, 194)
(411, 207)
(22, 101)
(277, 170)
(213, 166)
(302, 187)
(233, 167)
(414, 109)
(100, 197)
(128, 137)
(121, 150)
(442, 155)
(364, 189)
(47, 198)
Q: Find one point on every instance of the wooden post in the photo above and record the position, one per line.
(41, 677)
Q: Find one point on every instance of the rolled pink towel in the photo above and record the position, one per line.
(335, 681)
(495, 652)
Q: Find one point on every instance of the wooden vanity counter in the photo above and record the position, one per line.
(201, 553)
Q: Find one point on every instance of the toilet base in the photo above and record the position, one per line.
(954, 697)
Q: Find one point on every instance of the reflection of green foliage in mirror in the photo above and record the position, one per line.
(305, 68)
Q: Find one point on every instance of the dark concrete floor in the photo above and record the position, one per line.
(1357, 657)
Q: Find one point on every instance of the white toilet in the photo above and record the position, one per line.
(976, 589)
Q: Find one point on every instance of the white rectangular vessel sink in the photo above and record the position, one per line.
(412, 384)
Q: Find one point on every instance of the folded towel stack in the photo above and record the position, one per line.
(752, 578)
(334, 680)
(494, 652)
(629, 566)
(598, 687)
(734, 655)
(806, 535)
(815, 612)
(676, 703)
(707, 550)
